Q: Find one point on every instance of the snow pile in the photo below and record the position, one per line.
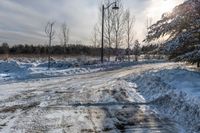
(24, 69)
(56, 64)
(175, 92)
(12, 70)
(10, 67)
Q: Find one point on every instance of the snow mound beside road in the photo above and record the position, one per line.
(27, 69)
(10, 67)
(10, 70)
(175, 92)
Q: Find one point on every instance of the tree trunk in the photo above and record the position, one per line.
(128, 43)
(198, 64)
(129, 58)
(136, 58)
(116, 47)
(49, 52)
(109, 50)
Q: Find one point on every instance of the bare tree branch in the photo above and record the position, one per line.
(50, 32)
(118, 29)
(65, 35)
(129, 22)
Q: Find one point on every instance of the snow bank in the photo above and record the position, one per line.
(25, 68)
(30, 69)
(175, 92)
(56, 64)
(10, 67)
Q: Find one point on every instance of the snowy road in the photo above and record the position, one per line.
(95, 102)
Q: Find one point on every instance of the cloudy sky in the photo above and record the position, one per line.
(23, 21)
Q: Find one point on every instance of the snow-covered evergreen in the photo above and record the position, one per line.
(182, 27)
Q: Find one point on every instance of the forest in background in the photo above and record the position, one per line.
(69, 50)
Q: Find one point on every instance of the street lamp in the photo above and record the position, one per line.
(115, 7)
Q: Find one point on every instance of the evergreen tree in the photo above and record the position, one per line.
(182, 27)
(136, 50)
(4, 48)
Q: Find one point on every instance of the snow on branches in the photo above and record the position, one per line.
(182, 26)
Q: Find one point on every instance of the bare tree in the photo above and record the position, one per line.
(95, 39)
(50, 32)
(65, 35)
(118, 29)
(129, 22)
(109, 27)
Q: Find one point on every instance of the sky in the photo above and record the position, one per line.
(23, 21)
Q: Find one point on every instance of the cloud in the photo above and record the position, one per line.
(23, 21)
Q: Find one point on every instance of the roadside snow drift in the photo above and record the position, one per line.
(23, 69)
(175, 92)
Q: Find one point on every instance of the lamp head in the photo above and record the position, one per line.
(115, 7)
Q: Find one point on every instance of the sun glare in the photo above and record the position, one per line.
(157, 8)
(167, 6)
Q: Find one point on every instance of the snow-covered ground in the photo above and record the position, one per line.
(30, 69)
(25, 68)
(175, 92)
(111, 97)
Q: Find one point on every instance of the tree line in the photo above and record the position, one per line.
(119, 38)
(70, 49)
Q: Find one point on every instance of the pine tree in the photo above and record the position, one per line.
(136, 50)
(182, 27)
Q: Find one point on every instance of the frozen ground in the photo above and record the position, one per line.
(114, 97)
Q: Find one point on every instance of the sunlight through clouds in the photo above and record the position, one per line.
(158, 7)
(28, 18)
